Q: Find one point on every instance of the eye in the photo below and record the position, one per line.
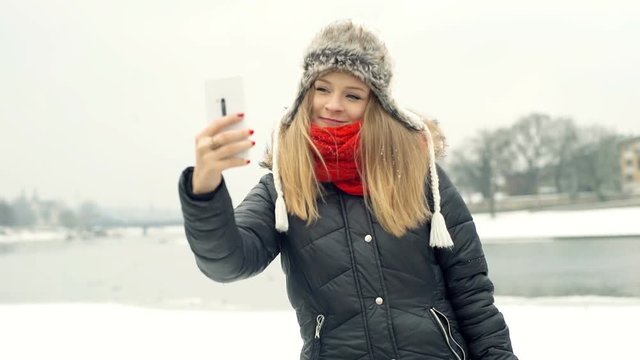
(354, 97)
(322, 89)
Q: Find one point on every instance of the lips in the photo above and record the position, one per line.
(334, 121)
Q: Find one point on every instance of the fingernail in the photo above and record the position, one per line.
(241, 114)
(250, 132)
(253, 143)
(247, 161)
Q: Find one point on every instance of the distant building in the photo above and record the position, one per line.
(630, 165)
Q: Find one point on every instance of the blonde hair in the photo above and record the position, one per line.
(394, 159)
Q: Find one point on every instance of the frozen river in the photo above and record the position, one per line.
(159, 270)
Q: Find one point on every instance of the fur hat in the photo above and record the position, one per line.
(345, 46)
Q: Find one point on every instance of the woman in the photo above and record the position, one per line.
(356, 207)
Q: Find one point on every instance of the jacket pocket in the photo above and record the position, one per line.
(444, 325)
(315, 346)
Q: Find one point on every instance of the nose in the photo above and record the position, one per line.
(334, 103)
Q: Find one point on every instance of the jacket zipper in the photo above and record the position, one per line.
(315, 352)
(447, 333)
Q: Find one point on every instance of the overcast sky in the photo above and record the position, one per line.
(101, 100)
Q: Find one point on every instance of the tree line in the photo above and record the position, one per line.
(33, 212)
(25, 212)
(538, 153)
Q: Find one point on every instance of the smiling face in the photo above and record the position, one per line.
(338, 99)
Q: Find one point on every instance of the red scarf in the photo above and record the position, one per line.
(339, 149)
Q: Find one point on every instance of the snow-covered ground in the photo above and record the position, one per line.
(13, 236)
(512, 225)
(553, 328)
(8, 235)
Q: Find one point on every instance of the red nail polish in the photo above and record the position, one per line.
(247, 161)
(253, 143)
(241, 114)
(250, 132)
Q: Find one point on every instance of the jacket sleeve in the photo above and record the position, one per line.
(230, 244)
(469, 289)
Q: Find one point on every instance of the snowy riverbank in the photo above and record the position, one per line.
(537, 225)
(514, 226)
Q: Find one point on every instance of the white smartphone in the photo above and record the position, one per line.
(225, 96)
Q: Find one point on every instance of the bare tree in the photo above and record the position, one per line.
(530, 150)
(597, 161)
(563, 145)
(23, 212)
(68, 219)
(479, 164)
(7, 217)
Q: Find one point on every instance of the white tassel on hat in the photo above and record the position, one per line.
(439, 237)
(282, 218)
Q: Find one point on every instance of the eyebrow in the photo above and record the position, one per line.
(348, 87)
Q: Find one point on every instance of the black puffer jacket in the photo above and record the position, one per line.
(359, 292)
